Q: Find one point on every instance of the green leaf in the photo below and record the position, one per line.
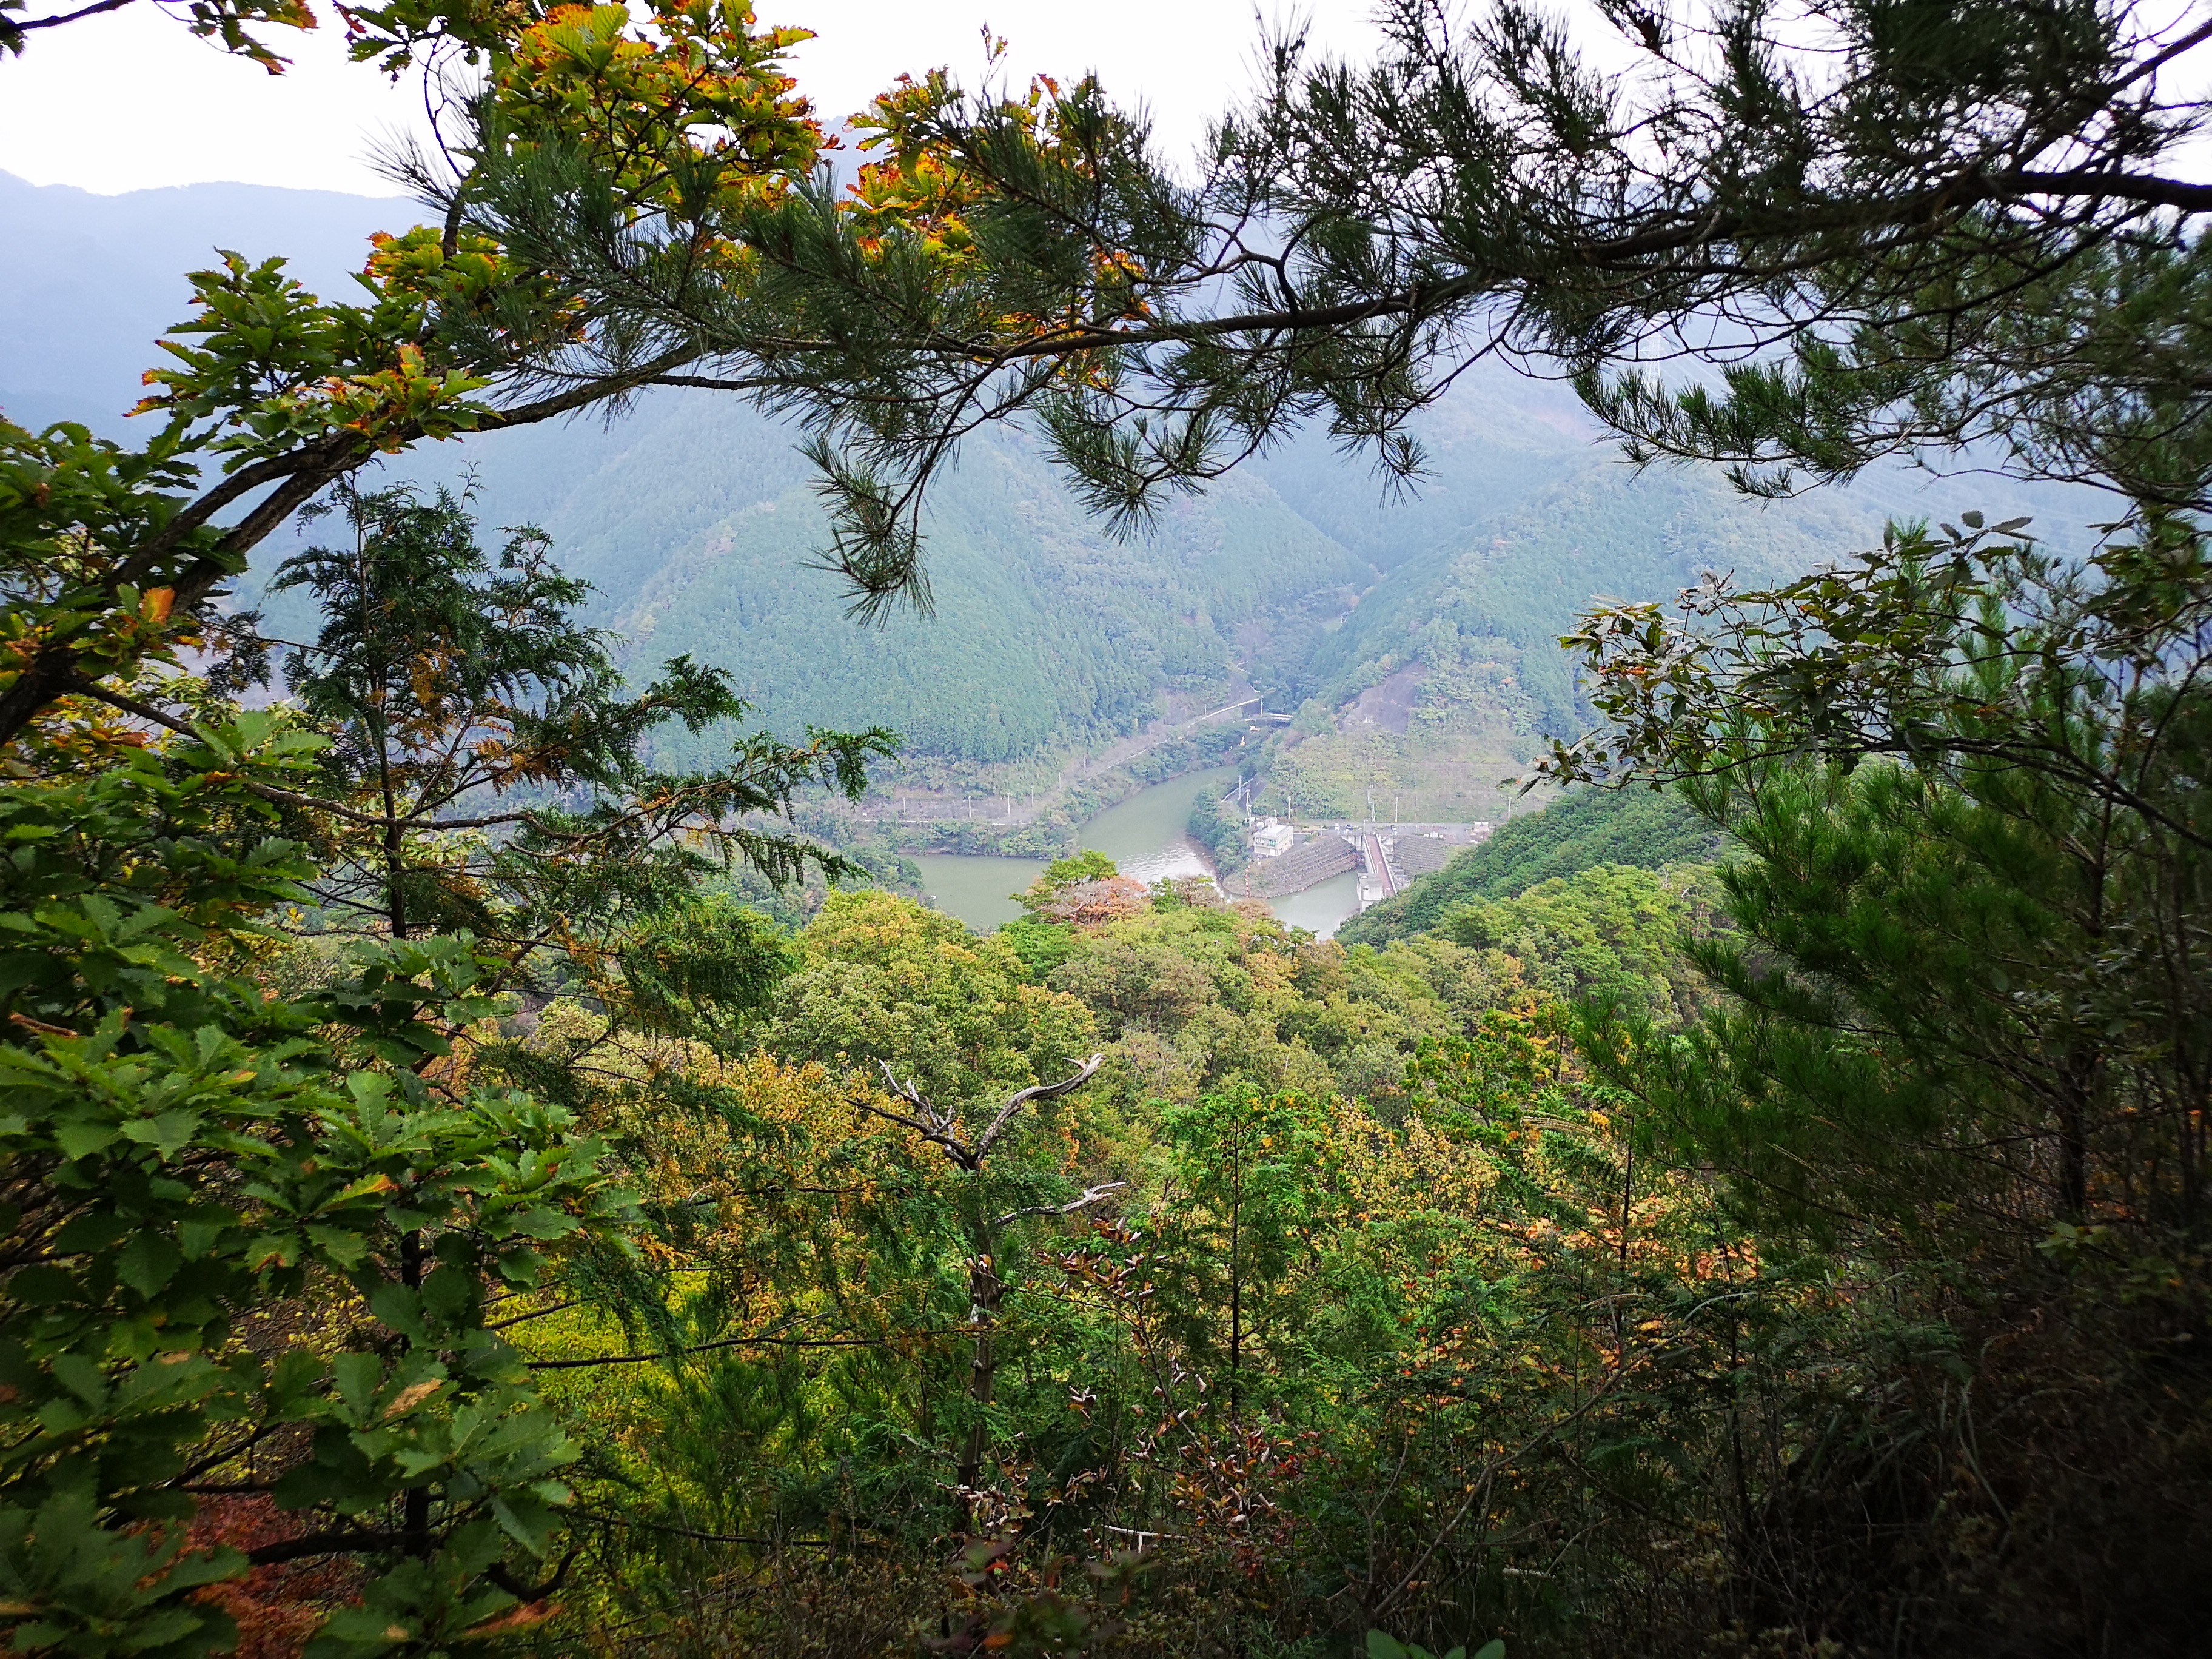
(80, 1140)
(147, 1262)
(356, 1377)
(43, 1287)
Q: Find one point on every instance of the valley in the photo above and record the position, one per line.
(1407, 643)
(784, 893)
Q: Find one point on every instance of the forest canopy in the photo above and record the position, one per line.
(1755, 1207)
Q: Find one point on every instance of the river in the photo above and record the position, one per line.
(979, 890)
(1144, 835)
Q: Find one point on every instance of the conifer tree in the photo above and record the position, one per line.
(1971, 981)
(1885, 228)
(486, 769)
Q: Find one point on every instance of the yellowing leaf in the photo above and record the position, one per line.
(413, 1396)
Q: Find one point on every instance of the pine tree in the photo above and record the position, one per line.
(1883, 229)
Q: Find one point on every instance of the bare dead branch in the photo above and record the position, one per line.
(1091, 1195)
(1038, 1091)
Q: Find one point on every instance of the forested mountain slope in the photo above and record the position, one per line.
(1297, 578)
(1044, 629)
(1644, 829)
(1481, 608)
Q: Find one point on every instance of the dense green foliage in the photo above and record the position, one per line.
(1644, 828)
(262, 1193)
(1611, 936)
(1961, 1019)
(440, 1216)
(1300, 1149)
(1220, 830)
(454, 689)
(185, 1152)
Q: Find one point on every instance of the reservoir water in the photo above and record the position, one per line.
(977, 889)
(1321, 909)
(1144, 835)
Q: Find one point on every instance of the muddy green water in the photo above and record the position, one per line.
(1144, 835)
(1321, 909)
(978, 890)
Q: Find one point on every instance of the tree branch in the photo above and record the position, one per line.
(9, 26)
(299, 475)
(1091, 1196)
(1038, 1091)
(351, 1541)
(734, 1342)
(147, 711)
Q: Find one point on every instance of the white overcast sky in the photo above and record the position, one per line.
(129, 101)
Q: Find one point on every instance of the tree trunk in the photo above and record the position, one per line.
(985, 1291)
(415, 1521)
(2077, 1098)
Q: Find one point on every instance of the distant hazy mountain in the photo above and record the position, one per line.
(697, 523)
(91, 281)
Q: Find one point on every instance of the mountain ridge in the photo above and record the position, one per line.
(1295, 577)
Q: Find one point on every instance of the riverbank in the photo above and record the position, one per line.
(1143, 833)
(1073, 790)
(1054, 830)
